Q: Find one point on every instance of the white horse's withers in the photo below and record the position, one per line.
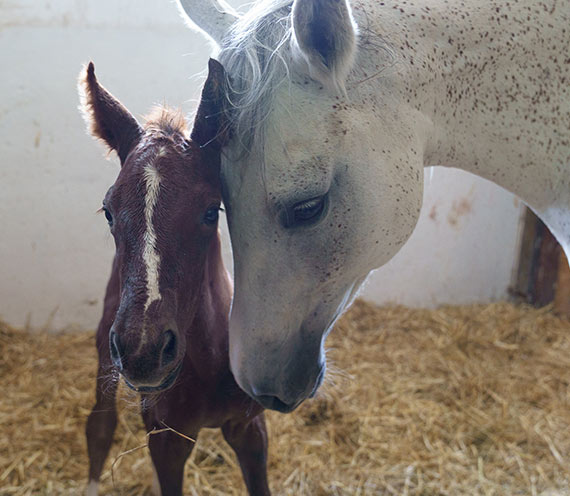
(335, 110)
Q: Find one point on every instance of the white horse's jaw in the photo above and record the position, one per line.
(292, 365)
(274, 383)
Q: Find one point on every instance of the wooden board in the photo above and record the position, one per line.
(543, 275)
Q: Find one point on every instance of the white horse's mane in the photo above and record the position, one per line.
(256, 57)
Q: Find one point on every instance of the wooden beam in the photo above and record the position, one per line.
(543, 275)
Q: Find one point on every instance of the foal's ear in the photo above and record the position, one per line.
(209, 124)
(324, 38)
(107, 119)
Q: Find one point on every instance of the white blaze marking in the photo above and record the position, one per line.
(150, 253)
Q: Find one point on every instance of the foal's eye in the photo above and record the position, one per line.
(211, 216)
(307, 212)
(108, 216)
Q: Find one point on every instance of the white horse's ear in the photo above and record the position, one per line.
(324, 37)
(214, 18)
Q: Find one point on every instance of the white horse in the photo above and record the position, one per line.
(335, 110)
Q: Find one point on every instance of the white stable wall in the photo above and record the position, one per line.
(463, 250)
(55, 252)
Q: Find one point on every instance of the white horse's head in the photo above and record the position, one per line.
(322, 183)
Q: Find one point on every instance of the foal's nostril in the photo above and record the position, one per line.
(115, 350)
(169, 348)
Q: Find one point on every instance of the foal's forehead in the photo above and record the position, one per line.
(165, 139)
(161, 157)
(178, 168)
(143, 160)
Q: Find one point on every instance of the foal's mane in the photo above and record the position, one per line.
(166, 122)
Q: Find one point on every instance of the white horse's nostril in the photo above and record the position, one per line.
(319, 381)
(274, 403)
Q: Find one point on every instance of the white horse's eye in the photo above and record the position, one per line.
(306, 212)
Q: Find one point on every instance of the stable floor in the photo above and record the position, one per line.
(467, 400)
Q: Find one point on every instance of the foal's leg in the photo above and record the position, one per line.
(102, 420)
(169, 453)
(100, 427)
(249, 441)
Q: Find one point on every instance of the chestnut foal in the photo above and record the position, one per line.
(165, 319)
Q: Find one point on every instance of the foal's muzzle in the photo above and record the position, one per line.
(165, 384)
(151, 367)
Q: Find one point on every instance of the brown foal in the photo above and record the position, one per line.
(165, 320)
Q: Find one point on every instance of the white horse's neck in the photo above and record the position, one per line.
(490, 80)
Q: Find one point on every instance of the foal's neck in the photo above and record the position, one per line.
(208, 332)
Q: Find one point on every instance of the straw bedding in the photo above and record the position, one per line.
(471, 400)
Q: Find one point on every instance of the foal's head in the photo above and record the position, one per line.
(163, 214)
